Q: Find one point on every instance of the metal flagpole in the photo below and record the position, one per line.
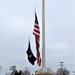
(44, 71)
(43, 36)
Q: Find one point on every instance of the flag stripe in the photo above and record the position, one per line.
(37, 36)
(35, 30)
(36, 26)
(37, 46)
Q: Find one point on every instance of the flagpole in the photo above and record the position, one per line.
(43, 71)
(43, 36)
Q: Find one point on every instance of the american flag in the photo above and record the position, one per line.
(36, 33)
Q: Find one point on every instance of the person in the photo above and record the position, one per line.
(20, 72)
(16, 72)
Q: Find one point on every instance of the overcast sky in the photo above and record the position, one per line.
(16, 26)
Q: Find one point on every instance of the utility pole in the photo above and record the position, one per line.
(61, 69)
(61, 64)
(0, 69)
(74, 73)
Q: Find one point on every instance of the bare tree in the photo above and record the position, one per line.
(62, 71)
(26, 72)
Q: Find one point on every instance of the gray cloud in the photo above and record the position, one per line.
(16, 26)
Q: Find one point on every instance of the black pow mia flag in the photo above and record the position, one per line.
(31, 57)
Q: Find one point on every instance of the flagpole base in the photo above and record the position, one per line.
(44, 73)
